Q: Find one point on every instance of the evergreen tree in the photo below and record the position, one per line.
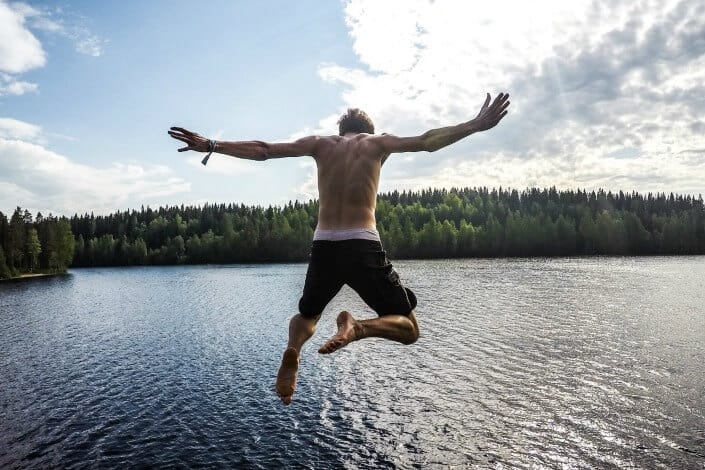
(65, 244)
(4, 269)
(33, 249)
(4, 233)
(16, 240)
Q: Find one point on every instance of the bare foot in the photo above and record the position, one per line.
(286, 378)
(348, 331)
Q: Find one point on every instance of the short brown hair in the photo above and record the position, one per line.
(355, 120)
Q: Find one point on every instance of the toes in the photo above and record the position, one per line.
(331, 345)
(285, 392)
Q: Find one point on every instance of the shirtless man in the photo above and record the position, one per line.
(346, 247)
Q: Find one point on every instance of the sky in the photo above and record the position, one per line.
(604, 95)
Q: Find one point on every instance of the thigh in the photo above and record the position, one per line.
(379, 285)
(321, 285)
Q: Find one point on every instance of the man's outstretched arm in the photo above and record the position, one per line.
(249, 150)
(430, 141)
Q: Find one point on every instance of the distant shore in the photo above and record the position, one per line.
(24, 277)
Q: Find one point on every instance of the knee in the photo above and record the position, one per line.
(413, 334)
(411, 339)
(305, 324)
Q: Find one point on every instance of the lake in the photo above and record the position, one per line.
(581, 362)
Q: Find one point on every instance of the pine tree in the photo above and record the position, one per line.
(4, 269)
(33, 249)
(65, 244)
(16, 240)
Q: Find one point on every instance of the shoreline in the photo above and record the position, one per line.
(394, 260)
(27, 277)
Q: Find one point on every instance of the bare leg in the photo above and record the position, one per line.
(401, 328)
(300, 330)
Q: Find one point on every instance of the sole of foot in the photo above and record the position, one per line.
(286, 378)
(344, 336)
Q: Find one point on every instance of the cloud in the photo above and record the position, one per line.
(45, 181)
(89, 44)
(603, 93)
(11, 86)
(682, 173)
(20, 130)
(20, 51)
(71, 26)
(220, 164)
(30, 173)
(309, 188)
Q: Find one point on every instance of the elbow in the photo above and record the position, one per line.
(262, 152)
(255, 156)
(429, 143)
(431, 146)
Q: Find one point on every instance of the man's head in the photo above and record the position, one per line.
(355, 120)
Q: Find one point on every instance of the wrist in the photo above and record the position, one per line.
(212, 144)
(472, 126)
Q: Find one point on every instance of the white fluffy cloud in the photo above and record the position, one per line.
(56, 22)
(221, 166)
(21, 51)
(11, 86)
(18, 130)
(604, 94)
(45, 181)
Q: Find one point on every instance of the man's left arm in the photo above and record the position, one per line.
(435, 139)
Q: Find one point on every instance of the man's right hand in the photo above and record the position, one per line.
(194, 141)
(490, 115)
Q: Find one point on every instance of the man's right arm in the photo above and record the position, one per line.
(435, 139)
(249, 150)
(258, 150)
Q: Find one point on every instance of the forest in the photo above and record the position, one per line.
(34, 245)
(433, 223)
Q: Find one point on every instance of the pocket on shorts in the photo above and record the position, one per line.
(379, 284)
(392, 294)
(374, 259)
(381, 269)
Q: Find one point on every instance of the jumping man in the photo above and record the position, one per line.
(346, 246)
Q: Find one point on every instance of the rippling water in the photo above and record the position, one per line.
(594, 362)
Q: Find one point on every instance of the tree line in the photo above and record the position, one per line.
(34, 245)
(433, 223)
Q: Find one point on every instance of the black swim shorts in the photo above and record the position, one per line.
(361, 264)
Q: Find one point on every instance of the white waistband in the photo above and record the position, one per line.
(346, 234)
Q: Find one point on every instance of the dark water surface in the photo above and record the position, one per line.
(568, 363)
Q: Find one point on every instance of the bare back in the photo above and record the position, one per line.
(348, 178)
